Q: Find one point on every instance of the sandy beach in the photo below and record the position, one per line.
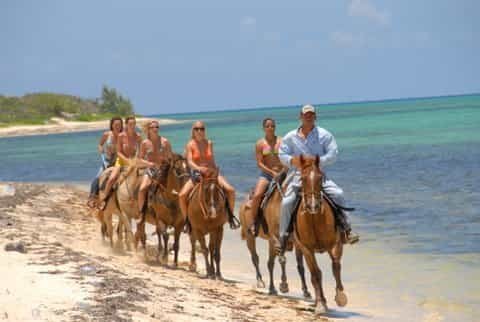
(64, 271)
(59, 125)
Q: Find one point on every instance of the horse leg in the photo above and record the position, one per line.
(107, 220)
(165, 245)
(203, 245)
(211, 250)
(336, 256)
(251, 244)
(193, 260)
(301, 272)
(271, 264)
(124, 220)
(284, 283)
(140, 235)
(218, 247)
(176, 245)
(316, 276)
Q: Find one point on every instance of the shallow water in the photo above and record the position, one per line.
(410, 167)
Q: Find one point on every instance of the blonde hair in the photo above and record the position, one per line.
(146, 127)
(192, 130)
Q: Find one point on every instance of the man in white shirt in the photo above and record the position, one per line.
(309, 140)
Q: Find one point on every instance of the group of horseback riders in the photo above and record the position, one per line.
(276, 158)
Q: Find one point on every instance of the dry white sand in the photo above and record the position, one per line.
(59, 125)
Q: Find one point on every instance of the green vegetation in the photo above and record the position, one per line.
(39, 108)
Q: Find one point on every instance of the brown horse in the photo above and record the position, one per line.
(165, 210)
(207, 214)
(271, 214)
(315, 231)
(122, 202)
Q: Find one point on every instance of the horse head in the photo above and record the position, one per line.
(180, 171)
(212, 198)
(312, 178)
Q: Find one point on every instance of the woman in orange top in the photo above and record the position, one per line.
(200, 158)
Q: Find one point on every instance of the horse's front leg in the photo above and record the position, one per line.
(252, 247)
(176, 245)
(301, 272)
(218, 247)
(193, 260)
(284, 283)
(336, 256)
(203, 246)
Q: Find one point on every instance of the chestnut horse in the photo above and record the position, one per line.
(271, 214)
(207, 214)
(315, 230)
(165, 209)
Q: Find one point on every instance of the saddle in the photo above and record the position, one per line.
(260, 220)
(336, 208)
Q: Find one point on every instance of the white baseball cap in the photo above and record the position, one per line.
(308, 108)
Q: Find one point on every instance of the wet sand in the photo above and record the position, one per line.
(59, 125)
(68, 273)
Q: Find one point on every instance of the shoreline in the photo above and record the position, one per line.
(66, 272)
(62, 126)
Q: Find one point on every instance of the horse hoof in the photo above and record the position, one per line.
(284, 287)
(307, 295)
(192, 267)
(219, 277)
(260, 284)
(272, 291)
(341, 298)
(321, 308)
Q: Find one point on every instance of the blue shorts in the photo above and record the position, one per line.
(266, 176)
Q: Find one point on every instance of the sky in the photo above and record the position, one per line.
(190, 56)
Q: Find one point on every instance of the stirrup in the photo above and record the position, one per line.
(350, 238)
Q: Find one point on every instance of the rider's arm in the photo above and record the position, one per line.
(259, 157)
(190, 161)
(168, 149)
(213, 164)
(120, 154)
(102, 141)
(286, 152)
(330, 148)
(143, 149)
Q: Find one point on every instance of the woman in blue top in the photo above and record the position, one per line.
(108, 152)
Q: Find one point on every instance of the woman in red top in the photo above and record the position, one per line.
(200, 158)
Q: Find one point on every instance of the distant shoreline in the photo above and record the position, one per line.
(59, 125)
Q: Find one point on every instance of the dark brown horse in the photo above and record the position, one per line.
(207, 214)
(272, 217)
(164, 205)
(315, 231)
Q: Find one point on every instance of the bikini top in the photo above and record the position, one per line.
(160, 148)
(196, 156)
(135, 151)
(267, 149)
(110, 148)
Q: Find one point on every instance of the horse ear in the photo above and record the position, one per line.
(302, 159)
(317, 161)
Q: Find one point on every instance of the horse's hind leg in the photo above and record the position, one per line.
(301, 272)
(211, 250)
(336, 256)
(252, 247)
(271, 266)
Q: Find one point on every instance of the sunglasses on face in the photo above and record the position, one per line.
(199, 129)
(154, 127)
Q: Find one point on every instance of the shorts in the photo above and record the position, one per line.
(266, 176)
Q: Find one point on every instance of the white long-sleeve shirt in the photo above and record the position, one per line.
(318, 142)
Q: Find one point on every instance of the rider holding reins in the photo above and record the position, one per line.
(309, 140)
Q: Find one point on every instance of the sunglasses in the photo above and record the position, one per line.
(154, 127)
(199, 128)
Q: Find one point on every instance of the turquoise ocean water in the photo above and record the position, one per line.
(411, 168)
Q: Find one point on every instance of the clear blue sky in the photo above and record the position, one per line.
(181, 56)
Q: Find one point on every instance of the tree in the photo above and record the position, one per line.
(113, 102)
